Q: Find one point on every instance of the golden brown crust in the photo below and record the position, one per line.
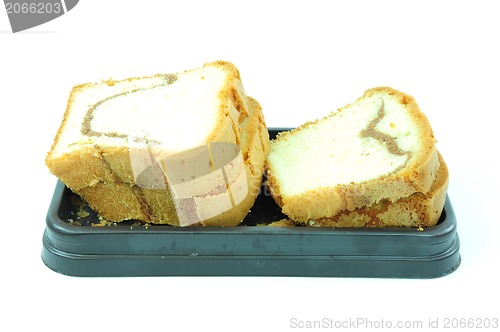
(416, 176)
(255, 146)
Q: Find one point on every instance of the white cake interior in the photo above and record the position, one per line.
(334, 151)
(180, 115)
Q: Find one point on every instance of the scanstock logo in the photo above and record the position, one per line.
(26, 14)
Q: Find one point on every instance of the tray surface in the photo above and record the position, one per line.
(76, 242)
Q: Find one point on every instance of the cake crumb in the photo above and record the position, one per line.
(74, 223)
(102, 223)
(109, 82)
(82, 214)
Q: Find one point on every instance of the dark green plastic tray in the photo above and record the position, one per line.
(73, 246)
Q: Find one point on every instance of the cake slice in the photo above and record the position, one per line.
(381, 147)
(179, 149)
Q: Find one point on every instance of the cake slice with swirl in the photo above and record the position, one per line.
(180, 149)
(379, 148)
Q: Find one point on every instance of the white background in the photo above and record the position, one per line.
(301, 60)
